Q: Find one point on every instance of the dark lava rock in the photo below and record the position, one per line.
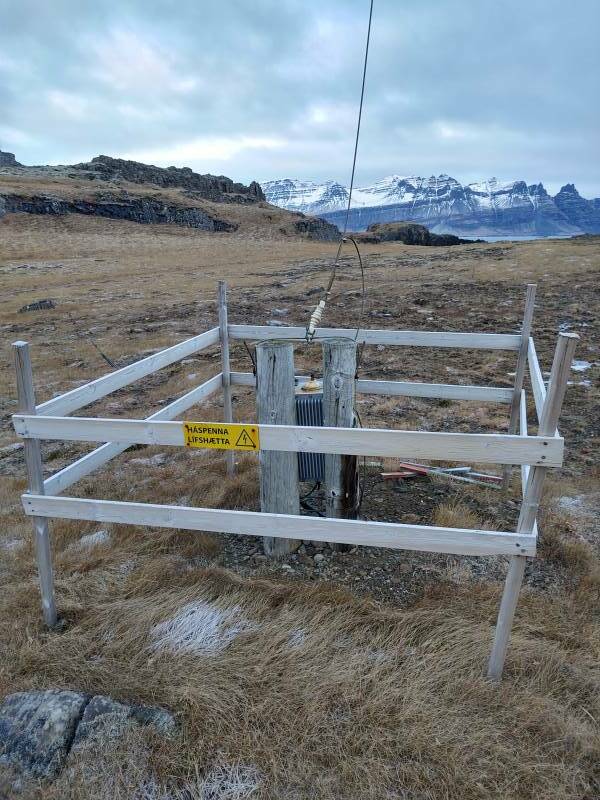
(39, 305)
(317, 228)
(37, 729)
(104, 717)
(135, 209)
(408, 233)
(8, 160)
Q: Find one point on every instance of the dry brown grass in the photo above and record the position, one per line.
(456, 515)
(368, 703)
(327, 695)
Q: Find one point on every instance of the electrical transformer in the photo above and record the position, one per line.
(309, 411)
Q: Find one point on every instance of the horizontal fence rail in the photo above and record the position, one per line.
(60, 481)
(95, 390)
(489, 448)
(475, 341)
(460, 541)
(441, 391)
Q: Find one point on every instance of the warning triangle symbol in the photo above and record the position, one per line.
(245, 440)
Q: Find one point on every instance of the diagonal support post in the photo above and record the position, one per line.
(563, 356)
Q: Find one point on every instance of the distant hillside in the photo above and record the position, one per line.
(129, 190)
(443, 204)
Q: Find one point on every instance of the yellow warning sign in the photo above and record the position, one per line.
(221, 436)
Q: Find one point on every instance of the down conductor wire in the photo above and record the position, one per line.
(318, 312)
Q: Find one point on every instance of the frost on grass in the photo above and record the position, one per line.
(297, 638)
(230, 782)
(94, 539)
(201, 628)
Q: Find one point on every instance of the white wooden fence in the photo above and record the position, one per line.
(534, 453)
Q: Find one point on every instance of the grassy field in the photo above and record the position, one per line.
(360, 675)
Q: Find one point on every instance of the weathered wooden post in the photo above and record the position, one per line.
(33, 460)
(561, 366)
(520, 372)
(275, 404)
(224, 338)
(340, 473)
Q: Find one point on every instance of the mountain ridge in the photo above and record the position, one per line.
(487, 207)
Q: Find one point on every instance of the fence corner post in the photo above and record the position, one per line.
(559, 376)
(35, 474)
(520, 372)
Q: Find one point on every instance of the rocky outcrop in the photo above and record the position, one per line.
(217, 188)
(316, 228)
(8, 160)
(408, 233)
(136, 209)
(38, 730)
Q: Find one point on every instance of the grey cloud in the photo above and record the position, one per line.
(268, 88)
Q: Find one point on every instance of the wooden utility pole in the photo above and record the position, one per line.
(275, 404)
(33, 459)
(341, 475)
(224, 338)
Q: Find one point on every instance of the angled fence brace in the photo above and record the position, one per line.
(563, 355)
(35, 475)
(520, 371)
(224, 338)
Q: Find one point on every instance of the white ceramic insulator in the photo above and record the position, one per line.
(316, 318)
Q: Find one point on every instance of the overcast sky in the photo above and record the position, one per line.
(261, 89)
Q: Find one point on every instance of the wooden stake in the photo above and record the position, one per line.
(275, 403)
(33, 460)
(561, 366)
(224, 338)
(339, 380)
(520, 371)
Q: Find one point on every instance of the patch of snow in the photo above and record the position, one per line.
(154, 461)
(191, 376)
(201, 628)
(579, 383)
(580, 366)
(12, 545)
(571, 503)
(94, 539)
(297, 638)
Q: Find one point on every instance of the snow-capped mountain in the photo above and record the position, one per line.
(444, 205)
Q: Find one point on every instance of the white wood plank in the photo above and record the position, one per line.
(90, 392)
(525, 467)
(66, 477)
(445, 391)
(356, 532)
(537, 380)
(476, 341)
(488, 448)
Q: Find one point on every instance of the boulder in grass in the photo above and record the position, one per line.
(37, 729)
